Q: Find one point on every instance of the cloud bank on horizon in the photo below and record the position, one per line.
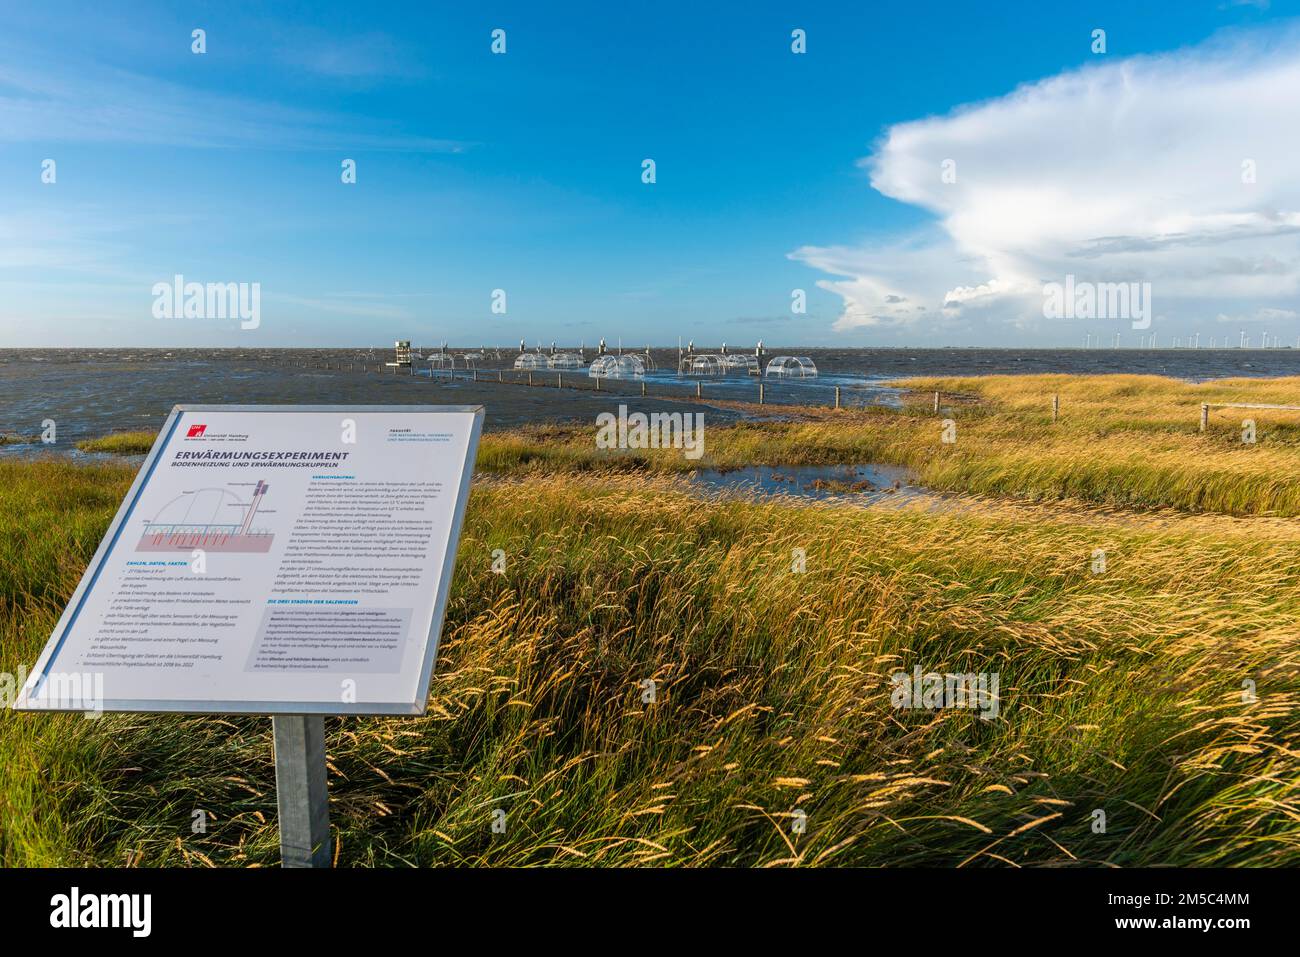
(1181, 170)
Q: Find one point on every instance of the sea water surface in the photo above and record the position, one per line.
(92, 392)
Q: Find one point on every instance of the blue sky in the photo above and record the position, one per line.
(522, 171)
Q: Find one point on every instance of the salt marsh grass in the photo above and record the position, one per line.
(1121, 440)
(119, 443)
(1163, 692)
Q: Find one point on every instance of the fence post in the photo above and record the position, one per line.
(760, 393)
(530, 378)
(837, 397)
(936, 403)
(1205, 415)
(699, 390)
(1056, 408)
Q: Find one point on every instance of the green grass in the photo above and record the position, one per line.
(1120, 691)
(120, 443)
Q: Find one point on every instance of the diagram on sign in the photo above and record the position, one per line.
(214, 519)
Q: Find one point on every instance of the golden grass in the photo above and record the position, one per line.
(1121, 691)
(1124, 440)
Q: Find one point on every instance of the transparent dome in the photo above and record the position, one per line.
(792, 367)
(617, 367)
(565, 360)
(530, 361)
(707, 365)
(740, 363)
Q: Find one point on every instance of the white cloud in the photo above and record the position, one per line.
(1125, 171)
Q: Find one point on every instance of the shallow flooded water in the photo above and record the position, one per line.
(860, 484)
(89, 393)
(92, 395)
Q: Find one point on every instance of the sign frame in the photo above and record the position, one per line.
(163, 705)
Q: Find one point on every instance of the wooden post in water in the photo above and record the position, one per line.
(1056, 408)
(559, 380)
(699, 390)
(530, 378)
(760, 393)
(1205, 415)
(643, 386)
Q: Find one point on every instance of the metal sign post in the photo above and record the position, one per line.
(302, 790)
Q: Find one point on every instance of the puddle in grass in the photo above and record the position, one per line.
(863, 484)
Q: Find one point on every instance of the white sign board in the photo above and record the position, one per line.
(271, 560)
